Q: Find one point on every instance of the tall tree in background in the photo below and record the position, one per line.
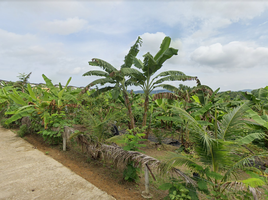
(146, 78)
(116, 77)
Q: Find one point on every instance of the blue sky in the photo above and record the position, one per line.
(223, 43)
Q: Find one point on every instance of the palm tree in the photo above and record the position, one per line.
(116, 77)
(214, 149)
(150, 65)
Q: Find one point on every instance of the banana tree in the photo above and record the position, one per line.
(146, 78)
(214, 149)
(259, 101)
(118, 78)
(44, 104)
(206, 104)
(22, 83)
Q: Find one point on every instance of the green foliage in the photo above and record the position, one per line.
(133, 139)
(22, 83)
(215, 150)
(55, 128)
(38, 101)
(177, 190)
(116, 77)
(149, 66)
(23, 130)
(160, 135)
(36, 125)
(131, 173)
(100, 120)
(5, 125)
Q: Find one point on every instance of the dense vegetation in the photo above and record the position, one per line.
(221, 135)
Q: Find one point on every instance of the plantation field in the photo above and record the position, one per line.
(220, 138)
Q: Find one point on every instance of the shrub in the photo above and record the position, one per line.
(131, 173)
(11, 125)
(23, 130)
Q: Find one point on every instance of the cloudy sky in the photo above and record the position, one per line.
(223, 43)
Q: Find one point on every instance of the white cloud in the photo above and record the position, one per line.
(64, 27)
(151, 42)
(234, 55)
(235, 10)
(9, 40)
(108, 29)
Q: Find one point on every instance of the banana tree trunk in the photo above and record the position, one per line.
(145, 115)
(128, 105)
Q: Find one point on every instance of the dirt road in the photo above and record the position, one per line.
(27, 173)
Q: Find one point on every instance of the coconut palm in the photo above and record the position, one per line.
(214, 149)
(146, 78)
(115, 77)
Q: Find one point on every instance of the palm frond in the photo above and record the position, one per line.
(117, 139)
(175, 160)
(200, 136)
(253, 182)
(103, 64)
(75, 134)
(233, 122)
(249, 138)
(194, 124)
(242, 164)
(96, 73)
(239, 185)
(122, 157)
(202, 110)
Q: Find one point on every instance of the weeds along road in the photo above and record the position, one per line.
(27, 173)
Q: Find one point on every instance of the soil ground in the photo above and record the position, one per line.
(103, 175)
